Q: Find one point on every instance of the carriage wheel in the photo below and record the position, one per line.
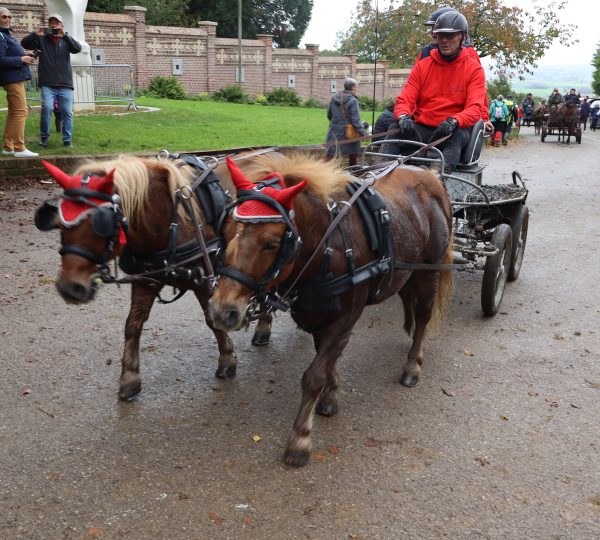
(578, 136)
(495, 271)
(519, 239)
(544, 133)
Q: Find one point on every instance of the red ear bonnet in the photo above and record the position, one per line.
(272, 185)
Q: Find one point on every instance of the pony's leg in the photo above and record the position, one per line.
(327, 404)
(142, 299)
(227, 357)
(262, 333)
(332, 341)
(424, 287)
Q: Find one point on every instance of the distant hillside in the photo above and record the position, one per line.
(563, 77)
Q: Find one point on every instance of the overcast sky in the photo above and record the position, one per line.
(331, 16)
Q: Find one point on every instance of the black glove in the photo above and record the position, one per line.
(447, 127)
(406, 125)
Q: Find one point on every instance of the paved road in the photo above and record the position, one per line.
(498, 440)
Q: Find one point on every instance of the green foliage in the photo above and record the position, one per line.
(166, 87)
(596, 73)
(515, 37)
(501, 85)
(368, 104)
(233, 94)
(261, 99)
(283, 96)
(203, 96)
(286, 20)
(159, 12)
(313, 103)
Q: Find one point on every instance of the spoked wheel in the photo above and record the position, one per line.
(495, 271)
(519, 239)
(578, 136)
(544, 133)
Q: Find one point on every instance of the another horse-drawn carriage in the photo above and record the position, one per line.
(562, 121)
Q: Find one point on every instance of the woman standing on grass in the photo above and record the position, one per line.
(344, 109)
(14, 71)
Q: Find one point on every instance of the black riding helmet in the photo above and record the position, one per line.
(451, 21)
(435, 15)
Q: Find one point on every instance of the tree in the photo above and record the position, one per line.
(286, 20)
(159, 12)
(514, 37)
(498, 86)
(596, 74)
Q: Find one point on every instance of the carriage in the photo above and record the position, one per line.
(490, 221)
(562, 122)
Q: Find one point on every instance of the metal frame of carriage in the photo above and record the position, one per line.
(490, 222)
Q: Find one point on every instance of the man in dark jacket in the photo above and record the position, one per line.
(55, 74)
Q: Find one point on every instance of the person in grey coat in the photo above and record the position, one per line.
(340, 116)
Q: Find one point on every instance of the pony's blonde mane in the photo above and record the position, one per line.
(324, 177)
(132, 180)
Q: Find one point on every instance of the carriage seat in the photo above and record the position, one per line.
(472, 151)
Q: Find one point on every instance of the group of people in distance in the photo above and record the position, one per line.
(443, 98)
(586, 110)
(51, 47)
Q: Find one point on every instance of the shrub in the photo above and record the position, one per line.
(203, 96)
(261, 99)
(283, 96)
(233, 93)
(366, 104)
(313, 103)
(166, 87)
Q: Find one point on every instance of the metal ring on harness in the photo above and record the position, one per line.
(163, 154)
(186, 192)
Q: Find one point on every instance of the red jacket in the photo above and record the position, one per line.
(437, 89)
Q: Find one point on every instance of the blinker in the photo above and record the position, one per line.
(103, 222)
(46, 217)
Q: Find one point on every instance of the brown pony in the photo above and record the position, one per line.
(128, 207)
(329, 283)
(566, 120)
(539, 115)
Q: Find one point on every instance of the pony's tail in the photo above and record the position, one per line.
(444, 292)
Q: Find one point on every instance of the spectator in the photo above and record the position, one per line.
(594, 113)
(344, 109)
(424, 111)
(510, 119)
(572, 97)
(555, 98)
(584, 112)
(498, 115)
(14, 71)
(528, 108)
(55, 75)
(384, 121)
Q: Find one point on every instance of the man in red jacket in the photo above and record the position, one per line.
(445, 92)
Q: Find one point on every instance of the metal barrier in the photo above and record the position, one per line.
(103, 83)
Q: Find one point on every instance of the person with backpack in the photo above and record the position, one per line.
(498, 116)
(510, 119)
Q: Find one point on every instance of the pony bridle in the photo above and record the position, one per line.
(102, 206)
(262, 297)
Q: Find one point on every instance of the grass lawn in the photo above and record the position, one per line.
(184, 126)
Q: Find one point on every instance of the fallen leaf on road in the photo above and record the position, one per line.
(54, 476)
(93, 532)
(372, 442)
(26, 391)
(532, 394)
(483, 461)
(333, 450)
(503, 417)
(256, 438)
(593, 384)
(577, 333)
(447, 392)
(319, 456)
(575, 406)
(247, 520)
(553, 401)
(567, 515)
(215, 519)
(557, 336)
(467, 352)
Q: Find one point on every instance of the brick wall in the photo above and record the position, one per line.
(208, 63)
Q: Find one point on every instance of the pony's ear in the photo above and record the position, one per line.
(286, 196)
(63, 179)
(107, 183)
(240, 181)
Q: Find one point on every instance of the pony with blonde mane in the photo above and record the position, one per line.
(332, 274)
(144, 192)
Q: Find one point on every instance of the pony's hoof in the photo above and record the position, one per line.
(225, 372)
(260, 339)
(409, 380)
(127, 392)
(296, 458)
(326, 409)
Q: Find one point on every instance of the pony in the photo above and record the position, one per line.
(296, 235)
(146, 212)
(539, 115)
(566, 120)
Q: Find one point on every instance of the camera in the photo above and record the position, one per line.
(51, 31)
(36, 53)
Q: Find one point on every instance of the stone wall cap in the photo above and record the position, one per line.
(264, 35)
(207, 23)
(134, 8)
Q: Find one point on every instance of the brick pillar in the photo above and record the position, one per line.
(267, 39)
(138, 14)
(314, 78)
(384, 82)
(352, 65)
(212, 85)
